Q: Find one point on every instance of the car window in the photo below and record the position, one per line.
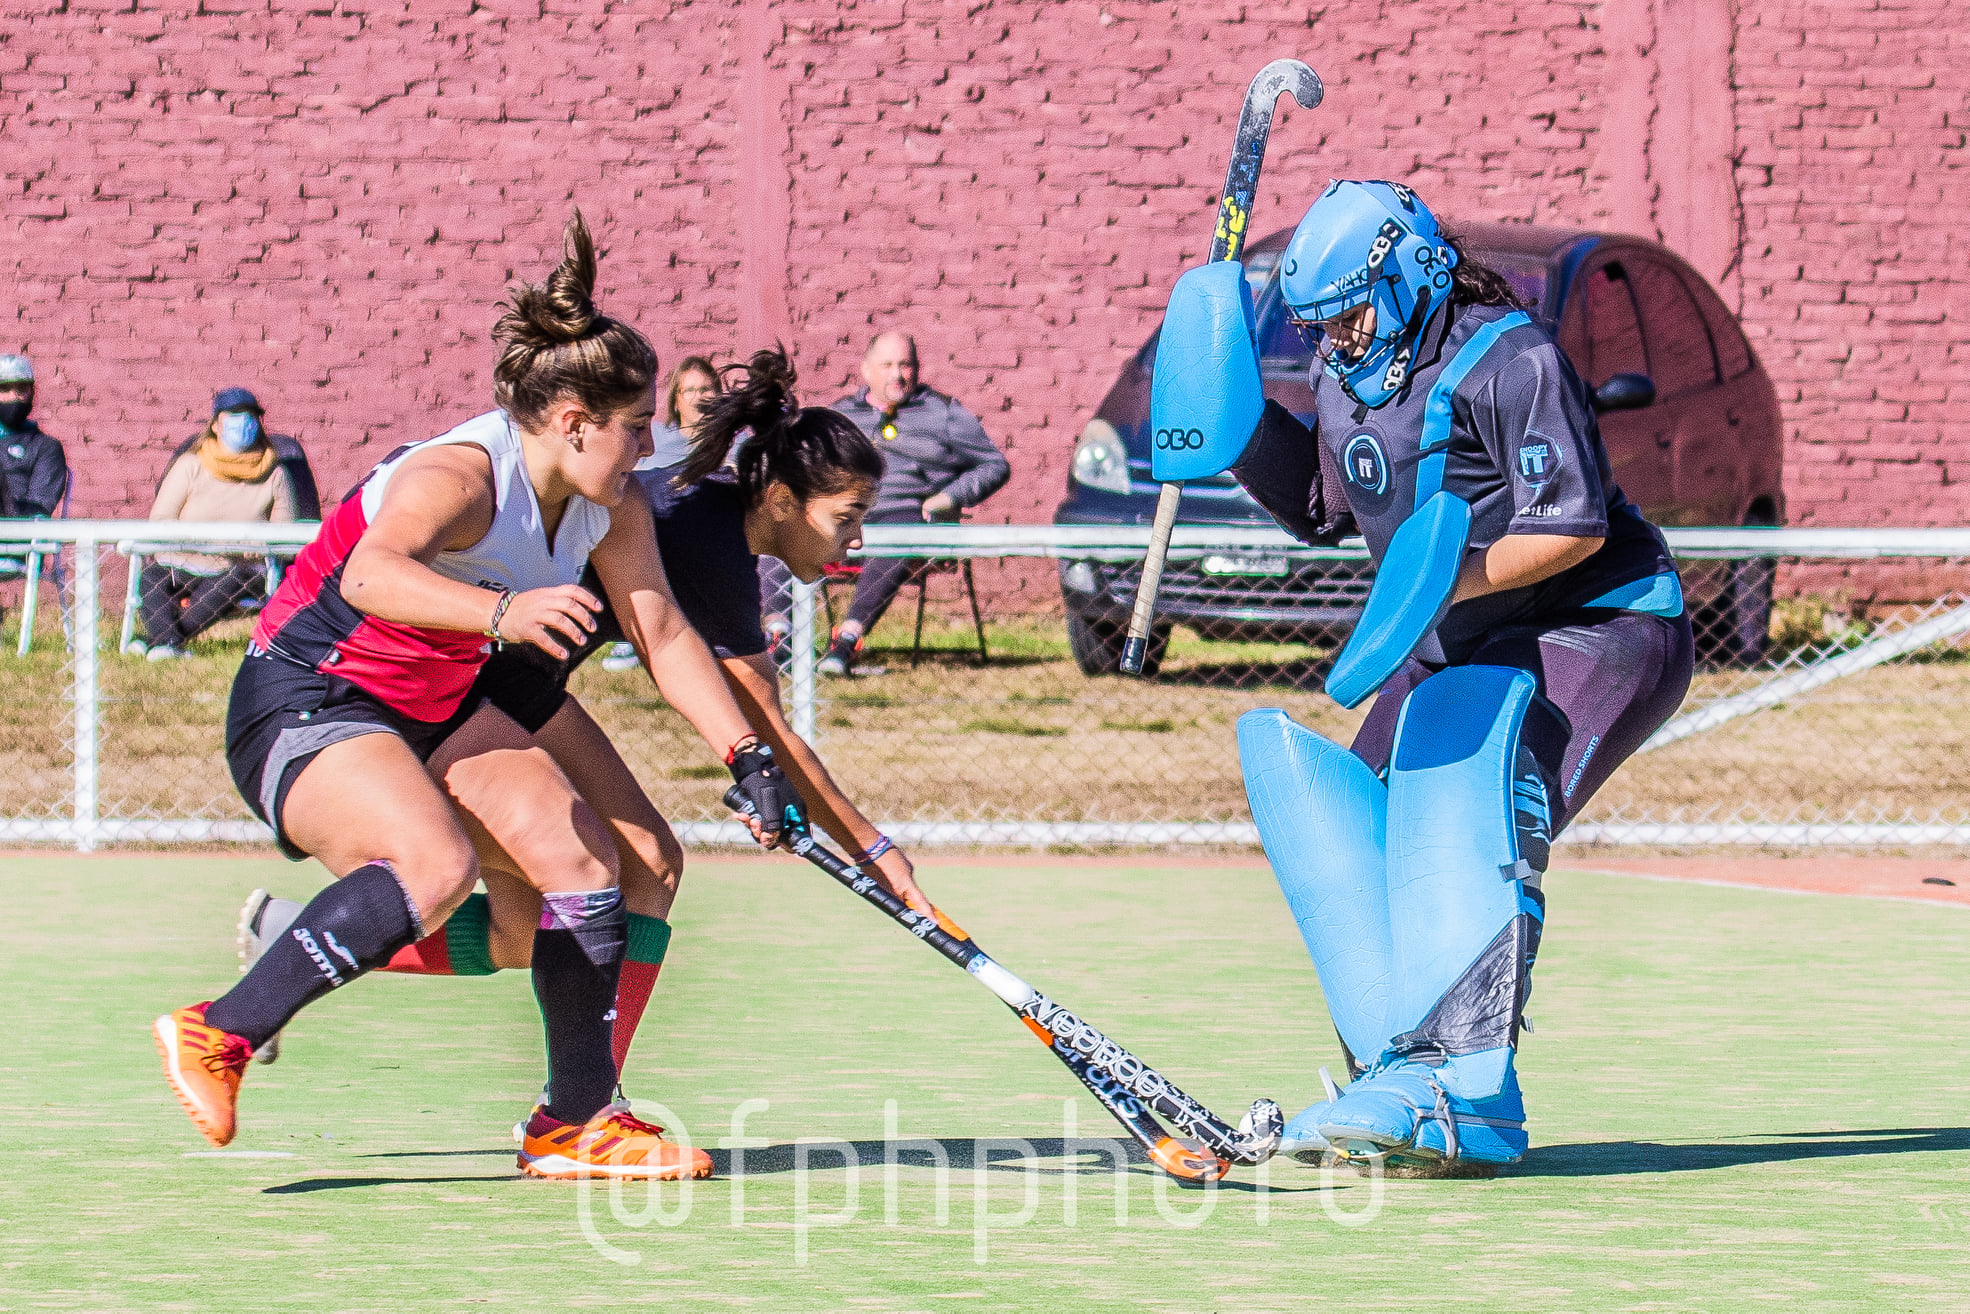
(1680, 357)
(1614, 333)
(1733, 352)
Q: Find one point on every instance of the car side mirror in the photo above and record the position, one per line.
(1625, 392)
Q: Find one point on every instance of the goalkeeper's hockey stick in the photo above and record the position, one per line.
(1127, 1087)
(1241, 187)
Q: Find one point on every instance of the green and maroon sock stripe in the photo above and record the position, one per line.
(461, 947)
(649, 940)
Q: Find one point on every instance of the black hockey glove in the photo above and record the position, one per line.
(764, 791)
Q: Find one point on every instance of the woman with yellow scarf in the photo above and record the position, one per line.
(230, 474)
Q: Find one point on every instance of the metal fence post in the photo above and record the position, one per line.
(800, 669)
(88, 721)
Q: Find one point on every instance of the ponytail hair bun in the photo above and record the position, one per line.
(555, 344)
(814, 451)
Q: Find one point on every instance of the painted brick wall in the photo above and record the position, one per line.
(323, 200)
(1856, 186)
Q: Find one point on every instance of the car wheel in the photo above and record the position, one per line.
(1097, 646)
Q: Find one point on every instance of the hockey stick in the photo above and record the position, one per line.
(1241, 185)
(1126, 1086)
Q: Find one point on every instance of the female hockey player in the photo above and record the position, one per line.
(1525, 634)
(796, 489)
(363, 664)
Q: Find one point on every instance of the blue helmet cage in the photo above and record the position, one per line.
(1372, 242)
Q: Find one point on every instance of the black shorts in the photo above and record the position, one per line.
(525, 683)
(1616, 676)
(282, 715)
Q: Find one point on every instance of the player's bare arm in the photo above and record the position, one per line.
(442, 501)
(1520, 560)
(755, 682)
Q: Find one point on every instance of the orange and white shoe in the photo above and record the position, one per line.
(614, 1143)
(204, 1066)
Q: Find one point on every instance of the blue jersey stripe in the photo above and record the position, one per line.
(1435, 445)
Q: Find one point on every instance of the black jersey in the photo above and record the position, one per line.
(701, 536)
(714, 575)
(1521, 447)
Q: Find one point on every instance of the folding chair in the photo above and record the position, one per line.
(137, 550)
(920, 577)
(28, 567)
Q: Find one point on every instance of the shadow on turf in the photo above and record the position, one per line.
(1623, 1158)
(309, 1186)
(1096, 1155)
(913, 1152)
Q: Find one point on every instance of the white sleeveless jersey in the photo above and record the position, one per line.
(514, 554)
(423, 672)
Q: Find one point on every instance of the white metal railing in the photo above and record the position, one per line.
(86, 828)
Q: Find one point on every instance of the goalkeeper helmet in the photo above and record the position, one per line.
(1375, 244)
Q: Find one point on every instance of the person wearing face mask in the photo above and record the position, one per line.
(939, 462)
(33, 468)
(231, 473)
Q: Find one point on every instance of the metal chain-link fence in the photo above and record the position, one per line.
(1831, 702)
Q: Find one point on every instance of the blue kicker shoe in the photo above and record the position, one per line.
(1419, 1109)
(1302, 1139)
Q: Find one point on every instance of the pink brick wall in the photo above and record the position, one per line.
(324, 200)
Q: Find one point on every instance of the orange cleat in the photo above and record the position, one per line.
(613, 1143)
(1188, 1161)
(203, 1065)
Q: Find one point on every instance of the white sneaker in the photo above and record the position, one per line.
(262, 920)
(136, 648)
(520, 1127)
(164, 652)
(622, 657)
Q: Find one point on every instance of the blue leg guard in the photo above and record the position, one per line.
(1321, 815)
(1467, 842)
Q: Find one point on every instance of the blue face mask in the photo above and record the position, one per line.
(238, 430)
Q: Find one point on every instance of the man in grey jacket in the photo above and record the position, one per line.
(939, 463)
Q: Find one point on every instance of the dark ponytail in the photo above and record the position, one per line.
(814, 451)
(1475, 284)
(554, 343)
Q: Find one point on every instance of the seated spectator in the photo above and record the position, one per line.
(939, 463)
(694, 382)
(230, 472)
(288, 454)
(33, 468)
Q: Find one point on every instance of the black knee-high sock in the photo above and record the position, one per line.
(578, 954)
(350, 928)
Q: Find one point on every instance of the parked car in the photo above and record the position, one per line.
(1690, 419)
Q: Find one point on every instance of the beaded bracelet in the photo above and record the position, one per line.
(499, 614)
(882, 845)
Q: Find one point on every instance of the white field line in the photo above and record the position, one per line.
(1040, 834)
(1753, 885)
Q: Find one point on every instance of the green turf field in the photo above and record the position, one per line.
(1738, 1099)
